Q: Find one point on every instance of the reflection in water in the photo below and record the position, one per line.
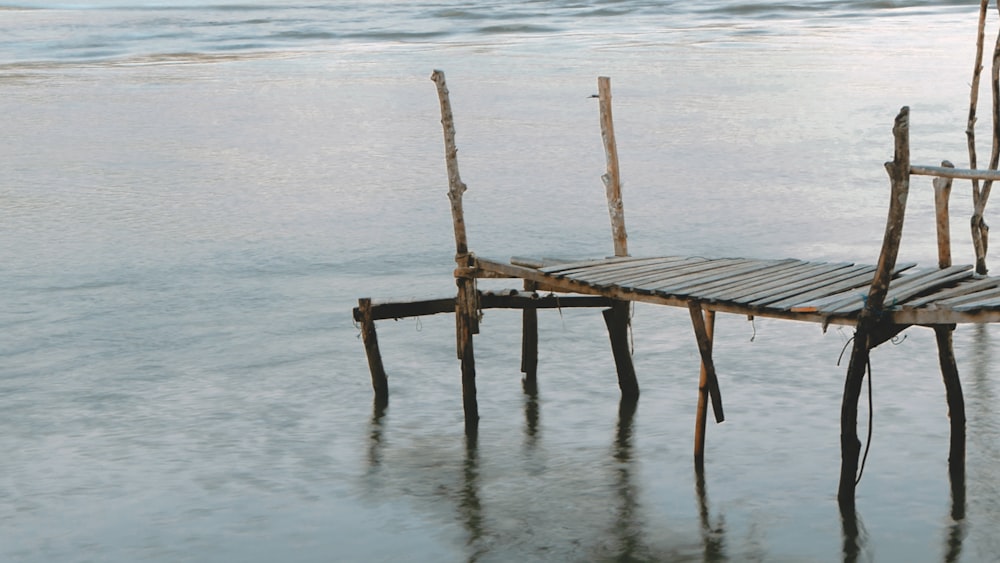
(628, 527)
(713, 536)
(470, 507)
(531, 417)
(375, 434)
(956, 531)
(855, 535)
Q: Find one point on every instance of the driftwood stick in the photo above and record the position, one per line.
(701, 418)
(947, 172)
(870, 324)
(612, 178)
(942, 194)
(970, 129)
(368, 335)
(707, 364)
(980, 230)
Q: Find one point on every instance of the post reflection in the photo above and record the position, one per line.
(469, 505)
(628, 527)
(375, 434)
(956, 531)
(713, 535)
(531, 417)
(854, 534)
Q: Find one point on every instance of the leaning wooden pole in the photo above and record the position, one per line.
(617, 317)
(870, 322)
(466, 306)
(380, 383)
(703, 391)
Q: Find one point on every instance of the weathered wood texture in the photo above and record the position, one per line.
(617, 320)
(380, 383)
(701, 416)
(612, 178)
(871, 317)
(466, 303)
(942, 195)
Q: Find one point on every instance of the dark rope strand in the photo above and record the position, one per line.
(871, 418)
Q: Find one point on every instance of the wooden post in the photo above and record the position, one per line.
(612, 179)
(980, 230)
(379, 381)
(870, 318)
(529, 345)
(942, 194)
(617, 317)
(703, 392)
(704, 338)
(466, 303)
(956, 402)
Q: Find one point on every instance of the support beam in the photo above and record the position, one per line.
(379, 381)
(708, 365)
(871, 324)
(702, 413)
(529, 345)
(616, 318)
(956, 402)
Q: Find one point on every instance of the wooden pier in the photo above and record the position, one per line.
(880, 299)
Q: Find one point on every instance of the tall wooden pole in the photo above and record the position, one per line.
(617, 317)
(466, 303)
(869, 320)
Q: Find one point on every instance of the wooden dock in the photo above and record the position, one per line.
(880, 300)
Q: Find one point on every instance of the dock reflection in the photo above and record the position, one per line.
(627, 527)
(713, 534)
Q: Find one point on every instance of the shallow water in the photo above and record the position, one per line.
(193, 198)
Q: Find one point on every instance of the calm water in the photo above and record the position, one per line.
(193, 197)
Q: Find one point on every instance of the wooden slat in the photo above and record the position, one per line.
(813, 300)
(899, 293)
(679, 286)
(618, 276)
(806, 285)
(704, 277)
(904, 287)
(954, 292)
(608, 264)
(978, 305)
(854, 299)
(763, 270)
(968, 298)
(775, 282)
(684, 272)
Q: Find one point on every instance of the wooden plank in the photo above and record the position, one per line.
(750, 273)
(957, 291)
(983, 295)
(573, 286)
(719, 267)
(812, 300)
(677, 272)
(961, 173)
(848, 299)
(601, 273)
(761, 270)
(979, 305)
(667, 285)
(905, 287)
(899, 293)
(772, 282)
(807, 285)
(610, 264)
(614, 266)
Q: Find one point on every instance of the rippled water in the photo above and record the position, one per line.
(193, 197)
